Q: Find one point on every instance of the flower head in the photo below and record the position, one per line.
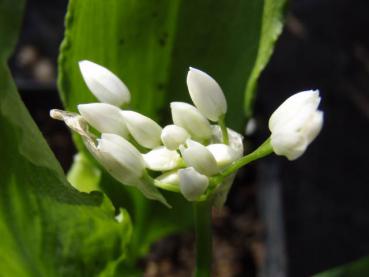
(295, 124)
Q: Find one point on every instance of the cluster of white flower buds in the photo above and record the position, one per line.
(187, 153)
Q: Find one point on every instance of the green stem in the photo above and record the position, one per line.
(202, 217)
(223, 127)
(262, 151)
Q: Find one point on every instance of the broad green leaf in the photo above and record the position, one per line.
(47, 228)
(358, 268)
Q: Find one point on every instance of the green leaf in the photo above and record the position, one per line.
(271, 28)
(358, 268)
(47, 228)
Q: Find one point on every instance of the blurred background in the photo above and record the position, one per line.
(295, 219)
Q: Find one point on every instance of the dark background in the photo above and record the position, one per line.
(314, 212)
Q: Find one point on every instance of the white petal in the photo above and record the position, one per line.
(313, 126)
(161, 159)
(106, 86)
(173, 136)
(199, 157)
(120, 158)
(105, 118)
(223, 154)
(189, 118)
(292, 144)
(235, 139)
(143, 129)
(191, 183)
(206, 94)
(295, 124)
(305, 101)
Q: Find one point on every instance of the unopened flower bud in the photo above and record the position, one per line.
(143, 129)
(206, 94)
(189, 118)
(170, 177)
(191, 183)
(199, 157)
(223, 154)
(161, 159)
(120, 158)
(106, 86)
(295, 124)
(105, 118)
(173, 136)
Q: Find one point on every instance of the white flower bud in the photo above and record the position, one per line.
(161, 159)
(106, 87)
(223, 154)
(206, 94)
(143, 129)
(295, 124)
(170, 177)
(173, 136)
(199, 157)
(105, 118)
(191, 183)
(120, 158)
(235, 139)
(189, 118)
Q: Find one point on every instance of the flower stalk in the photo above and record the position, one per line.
(204, 241)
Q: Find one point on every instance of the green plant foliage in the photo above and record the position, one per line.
(271, 28)
(47, 228)
(358, 268)
(150, 45)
